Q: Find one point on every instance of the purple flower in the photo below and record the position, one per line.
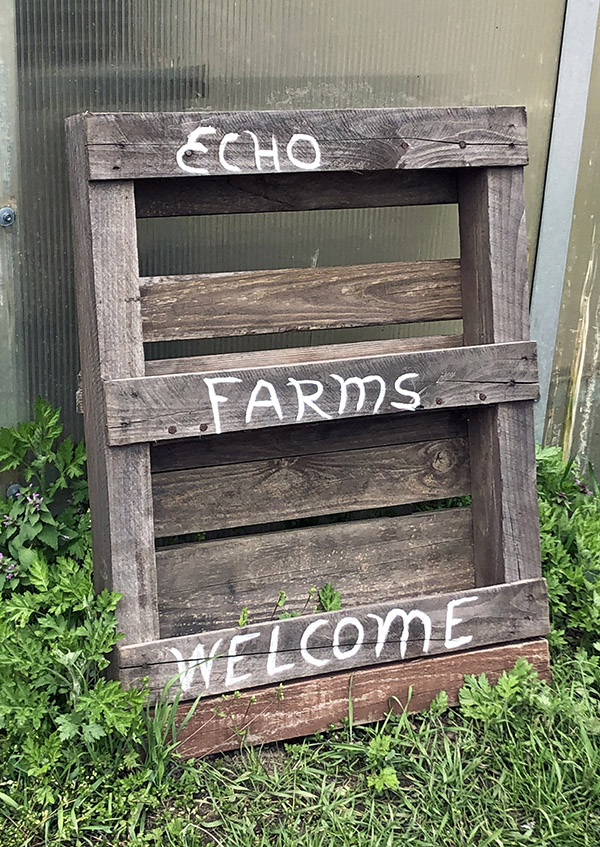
(9, 575)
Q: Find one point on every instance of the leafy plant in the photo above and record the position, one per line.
(329, 598)
(33, 449)
(570, 541)
(56, 634)
(31, 524)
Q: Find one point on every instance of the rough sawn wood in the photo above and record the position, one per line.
(276, 712)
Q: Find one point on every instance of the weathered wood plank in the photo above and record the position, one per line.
(296, 648)
(183, 405)
(303, 439)
(495, 297)
(275, 712)
(246, 193)
(287, 355)
(254, 302)
(134, 145)
(204, 586)
(110, 337)
(273, 490)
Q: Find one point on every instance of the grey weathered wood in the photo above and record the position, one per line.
(275, 712)
(178, 405)
(204, 585)
(285, 355)
(302, 439)
(495, 298)
(486, 615)
(110, 334)
(273, 490)
(254, 302)
(226, 195)
(141, 145)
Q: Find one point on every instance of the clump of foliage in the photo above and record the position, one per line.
(570, 538)
(55, 632)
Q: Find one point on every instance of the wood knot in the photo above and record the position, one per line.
(442, 461)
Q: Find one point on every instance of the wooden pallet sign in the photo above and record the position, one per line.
(237, 446)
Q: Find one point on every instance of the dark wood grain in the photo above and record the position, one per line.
(303, 439)
(205, 585)
(110, 337)
(296, 648)
(140, 145)
(495, 297)
(225, 195)
(253, 302)
(272, 490)
(154, 408)
(282, 356)
(276, 712)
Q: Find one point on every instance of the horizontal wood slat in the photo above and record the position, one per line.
(183, 405)
(273, 490)
(139, 145)
(247, 193)
(297, 355)
(254, 302)
(274, 712)
(296, 648)
(204, 586)
(303, 439)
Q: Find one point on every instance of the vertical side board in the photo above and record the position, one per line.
(495, 309)
(110, 333)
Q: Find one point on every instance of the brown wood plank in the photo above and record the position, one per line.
(154, 408)
(495, 296)
(274, 712)
(282, 356)
(273, 490)
(254, 302)
(135, 145)
(295, 648)
(204, 586)
(247, 193)
(110, 336)
(302, 439)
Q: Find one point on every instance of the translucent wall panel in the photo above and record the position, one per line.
(255, 54)
(574, 402)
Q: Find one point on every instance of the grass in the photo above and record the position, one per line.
(519, 763)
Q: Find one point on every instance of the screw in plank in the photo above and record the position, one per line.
(438, 401)
(7, 216)
(172, 430)
(405, 145)
(203, 427)
(483, 396)
(462, 144)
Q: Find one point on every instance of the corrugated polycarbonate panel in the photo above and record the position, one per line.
(226, 54)
(574, 402)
